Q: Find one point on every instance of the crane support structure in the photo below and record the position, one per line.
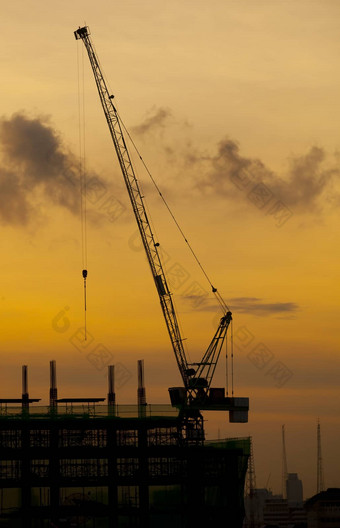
(197, 377)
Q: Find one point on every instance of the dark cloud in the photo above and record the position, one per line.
(309, 179)
(157, 120)
(14, 206)
(256, 306)
(308, 186)
(251, 305)
(35, 169)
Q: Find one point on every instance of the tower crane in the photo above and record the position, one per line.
(196, 393)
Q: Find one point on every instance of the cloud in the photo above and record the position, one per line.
(251, 305)
(308, 179)
(309, 184)
(157, 120)
(14, 207)
(35, 169)
(256, 306)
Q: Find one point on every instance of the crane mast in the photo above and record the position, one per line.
(197, 377)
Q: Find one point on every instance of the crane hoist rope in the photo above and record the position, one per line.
(197, 393)
(219, 298)
(82, 174)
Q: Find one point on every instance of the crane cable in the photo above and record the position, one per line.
(231, 360)
(232, 357)
(213, 289)
(83, 183)
(226, 367)
(218, 296)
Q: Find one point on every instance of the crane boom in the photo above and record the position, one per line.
(197, 377)
(137, 202)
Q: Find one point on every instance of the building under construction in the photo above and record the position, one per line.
(89, 463)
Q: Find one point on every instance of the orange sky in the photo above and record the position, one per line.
(216, 95)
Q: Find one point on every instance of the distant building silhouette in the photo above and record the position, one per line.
(275, 511)
(294, 490)
(323, 509)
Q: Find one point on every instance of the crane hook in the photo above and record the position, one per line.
(84, 274)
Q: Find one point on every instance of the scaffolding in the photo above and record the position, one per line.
(102, 470)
